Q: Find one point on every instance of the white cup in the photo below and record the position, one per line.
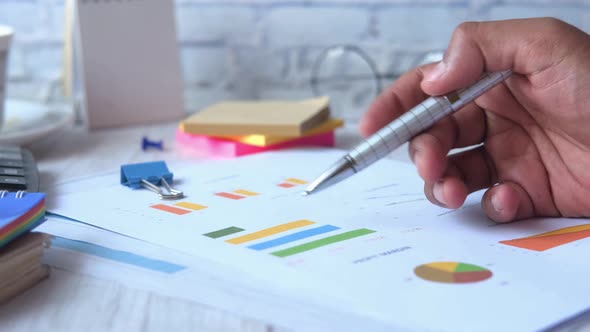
(5, 41)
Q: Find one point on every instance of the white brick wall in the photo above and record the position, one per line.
(571, 14)
(227, 24)
(419, 26)
(293, 26)
(237, 49)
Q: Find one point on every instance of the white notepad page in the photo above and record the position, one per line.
(130, 62)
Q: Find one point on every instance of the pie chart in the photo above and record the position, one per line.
(452, 272)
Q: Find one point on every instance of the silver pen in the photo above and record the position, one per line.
(402, 129)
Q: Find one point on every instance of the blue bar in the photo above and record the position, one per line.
(293, 237)
(116, 255)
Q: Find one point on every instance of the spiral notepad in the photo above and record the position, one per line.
(130, 63)
(19, 213)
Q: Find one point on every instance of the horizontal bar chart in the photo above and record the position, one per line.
(116, 255)
(294, 237)
(291, 182)
(322, 242)
(223, 232)
(237, 194)
(170, 209)
(230, 196)
(270, 231)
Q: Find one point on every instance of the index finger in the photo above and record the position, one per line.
(525, 46)
(404, 94)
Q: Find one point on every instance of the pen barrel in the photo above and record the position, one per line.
(399, 131)
(417, 120)
(463, 97)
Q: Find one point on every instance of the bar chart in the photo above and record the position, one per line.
(280, 240)
(291, 182)
(180, 208)
(271, 237)
(237, 194)
(185, 207)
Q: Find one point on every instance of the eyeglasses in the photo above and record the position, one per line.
(352, 79)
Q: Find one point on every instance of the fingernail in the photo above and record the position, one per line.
(437, 191)
(436, 72)
(496, 204)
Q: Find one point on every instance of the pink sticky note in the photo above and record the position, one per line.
(220, 147)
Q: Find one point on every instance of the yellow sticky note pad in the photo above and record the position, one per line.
(270, 118)
(266, 140)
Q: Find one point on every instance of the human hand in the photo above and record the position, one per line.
(535, 127)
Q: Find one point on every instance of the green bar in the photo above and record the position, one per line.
(223, 232)
(322, 242)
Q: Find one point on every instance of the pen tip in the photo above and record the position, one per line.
(305, 193)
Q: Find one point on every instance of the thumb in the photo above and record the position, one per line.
(524, 46)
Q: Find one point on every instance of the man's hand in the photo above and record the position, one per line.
(535, 127)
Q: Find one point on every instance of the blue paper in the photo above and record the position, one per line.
(11, 207)
(117, 255)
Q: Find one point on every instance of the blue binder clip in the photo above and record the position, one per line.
(150, 175)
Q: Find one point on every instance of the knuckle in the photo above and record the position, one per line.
(552, 41)
(554, 26)
(466, 30)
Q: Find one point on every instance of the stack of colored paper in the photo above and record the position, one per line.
(20, 264)
(20, 250)
(19, 213)
(240, 128)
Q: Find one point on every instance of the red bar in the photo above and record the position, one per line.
(286, 185)
(230, 196)
(170, 209)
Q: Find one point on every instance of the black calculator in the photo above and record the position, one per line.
(18, 170)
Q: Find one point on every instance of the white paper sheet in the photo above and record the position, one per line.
(376, 275)
(197, 280)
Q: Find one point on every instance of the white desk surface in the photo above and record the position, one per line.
(72, 302)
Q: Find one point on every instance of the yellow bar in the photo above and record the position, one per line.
(191, 206)
(270, 231)
(571, 229)
(294, 180)
(246, 192)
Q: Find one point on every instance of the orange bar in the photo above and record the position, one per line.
(170, 209)
(542, 243)
(230, 195)
(286, 185)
